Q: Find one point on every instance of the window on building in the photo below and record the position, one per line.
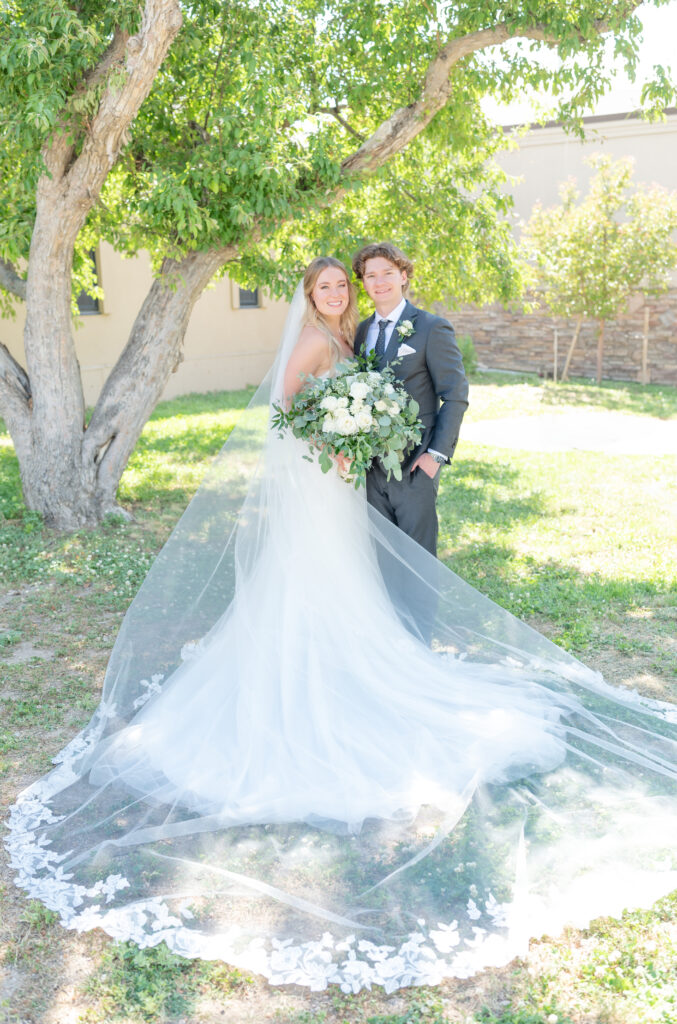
(86, 304)
(249, 299)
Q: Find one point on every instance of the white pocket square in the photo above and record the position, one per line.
(405, 350)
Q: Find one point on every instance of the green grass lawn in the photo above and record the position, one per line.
(581, 545)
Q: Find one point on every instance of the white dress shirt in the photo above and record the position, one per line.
(392, 318)
(372, 335)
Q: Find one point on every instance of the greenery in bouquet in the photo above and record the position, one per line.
(360, 413)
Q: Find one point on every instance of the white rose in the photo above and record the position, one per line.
(381, 406)
(394, 407)
(346, 424)
(356, 405)
(359, 389)
(329, 402)
(388, 389)
(342, 402)
(364, 419)
(373, 377)
(328, 425)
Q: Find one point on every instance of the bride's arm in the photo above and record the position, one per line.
(311, 355)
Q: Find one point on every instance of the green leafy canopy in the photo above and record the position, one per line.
(242, 138)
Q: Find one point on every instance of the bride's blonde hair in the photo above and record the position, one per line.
(349, 318)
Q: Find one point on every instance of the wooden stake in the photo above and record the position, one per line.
(600, 351)
(554, 356)
(645, 346)
(567, 362)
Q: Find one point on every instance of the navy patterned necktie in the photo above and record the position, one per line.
(381, 340)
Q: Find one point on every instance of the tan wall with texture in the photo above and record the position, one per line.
(547, 156)
(225, 347)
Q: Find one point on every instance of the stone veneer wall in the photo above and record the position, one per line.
(524, 341)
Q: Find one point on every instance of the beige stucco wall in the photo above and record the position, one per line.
(547, 156)
(226, 347)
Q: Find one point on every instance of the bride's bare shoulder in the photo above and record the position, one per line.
(312, 346)
(313, 337)
(311, 356)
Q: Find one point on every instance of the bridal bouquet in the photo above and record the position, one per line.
(360, 413)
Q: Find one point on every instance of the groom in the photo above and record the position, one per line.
(431, 369)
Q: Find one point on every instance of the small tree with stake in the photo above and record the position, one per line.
(588, 258)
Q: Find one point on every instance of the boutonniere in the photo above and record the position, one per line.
(405, 329)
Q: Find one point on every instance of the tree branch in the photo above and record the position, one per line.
(143, 55)
(407, 122)
(335, 112)
(65, 194)
(10, 280)
(15, 393)
(152, 351)
(113, 56)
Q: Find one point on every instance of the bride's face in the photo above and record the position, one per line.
(330, 294)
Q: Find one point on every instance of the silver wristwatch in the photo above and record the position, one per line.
(441, 459)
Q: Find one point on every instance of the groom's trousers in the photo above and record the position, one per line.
(409, 503)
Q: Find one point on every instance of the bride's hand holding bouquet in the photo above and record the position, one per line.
(352, 418)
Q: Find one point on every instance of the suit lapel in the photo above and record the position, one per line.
(408, 313)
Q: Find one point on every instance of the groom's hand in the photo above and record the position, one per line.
(427, 463)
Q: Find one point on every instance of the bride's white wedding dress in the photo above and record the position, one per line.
(284, 774)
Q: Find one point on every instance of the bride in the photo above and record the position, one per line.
(282, 775)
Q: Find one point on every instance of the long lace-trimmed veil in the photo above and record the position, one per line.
(323, 756)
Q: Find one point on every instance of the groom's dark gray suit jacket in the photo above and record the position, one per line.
(433, 375)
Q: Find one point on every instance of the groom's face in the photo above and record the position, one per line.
(383, 282)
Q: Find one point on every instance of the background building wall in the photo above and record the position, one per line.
(225, 347)
(546, 157)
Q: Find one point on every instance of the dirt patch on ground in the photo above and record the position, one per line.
(26, 652)
(635, 649)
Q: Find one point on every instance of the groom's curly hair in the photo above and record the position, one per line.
(389, 252)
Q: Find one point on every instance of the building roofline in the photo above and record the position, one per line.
(628, 115)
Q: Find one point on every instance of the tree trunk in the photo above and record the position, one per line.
(72, 478)
(44, 404)
(137, 380)
(567, 362)
(600, 351)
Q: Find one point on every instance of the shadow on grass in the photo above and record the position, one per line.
(658, 400)
(576, 605)
(644, 400)
(485, 492)
(481, 499)
(198, 404)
